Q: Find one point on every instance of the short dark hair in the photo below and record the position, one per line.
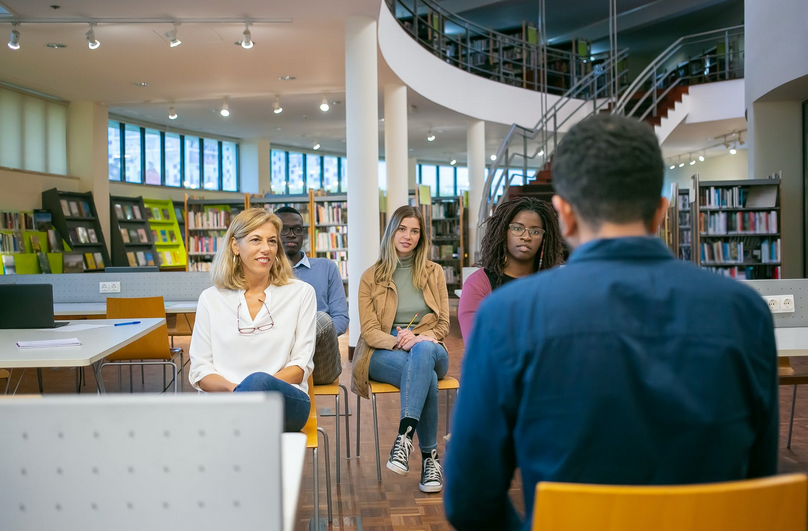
(610, 169)
(288, 210)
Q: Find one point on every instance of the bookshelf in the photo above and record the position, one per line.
(75, 217)
(165, 232)
(685, 242)
(132, 242)
(206, 222)
(447, 223)
(329, 217)
(739, 227)
(28, 247)
(179, 215)
(303, 203)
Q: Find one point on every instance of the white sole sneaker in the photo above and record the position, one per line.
(430, 488)
(397, 468)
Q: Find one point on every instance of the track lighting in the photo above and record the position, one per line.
(681, 164)
(225, 109)
(692, 162)
(453, 162)
(92, 42)
(672, 166)
(316, 146)
(172, 114)
(493, 157)
(430, 136)
(246, 40)
(276, 107)
(174, 41)
(540, 153)
(732, 150)
(324, 104)
(701, 158)
(14, 41)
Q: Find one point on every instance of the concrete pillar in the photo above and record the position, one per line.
(475, 153)
(395, 145)
(87, 157)
(362, 143)
(254, 165)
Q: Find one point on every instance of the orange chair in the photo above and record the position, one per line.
(332, 389)
(151, 349)
(310, 430)
(777, 502)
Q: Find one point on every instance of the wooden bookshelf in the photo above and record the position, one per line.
(738, 227)
(74, 217)
(206, 222)
(165, 231)
(329, 218)
(132, 241)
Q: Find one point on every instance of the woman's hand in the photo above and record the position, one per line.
(405, 335)
(409, 343)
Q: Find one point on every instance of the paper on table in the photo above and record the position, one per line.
(50, 343)
(74, 328)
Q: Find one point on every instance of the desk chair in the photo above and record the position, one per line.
(777, 502)
(376, 388)
(152, 349)
(310, 430)
(788, 377)
(332, 389)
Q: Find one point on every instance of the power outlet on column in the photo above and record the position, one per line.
(780, 303)
(110, 287)
(787, 303)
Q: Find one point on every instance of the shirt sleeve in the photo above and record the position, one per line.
(475, 289)
(302, 354)
(337, 305)
(201, 349)
(482, 446)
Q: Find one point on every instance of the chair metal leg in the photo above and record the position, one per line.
(347, 427)
(99, 380)
(142, 375)
(39, 379)
(447, 411)
(358, 413)
(376, 437)
(131, 384)
(78, 380)
(336, 445)
(182, 378)
(327, 474)
(791, 420)
(120, 380)
(316, 519)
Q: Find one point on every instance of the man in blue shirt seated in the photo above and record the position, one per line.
(332, 308)
(626, 366)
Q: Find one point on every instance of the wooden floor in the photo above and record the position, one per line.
(360, 502)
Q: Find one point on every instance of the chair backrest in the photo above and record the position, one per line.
(134, 462)
(777, 502)
(153, 345)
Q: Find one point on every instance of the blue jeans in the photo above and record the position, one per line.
(296, 404)
(416, 373)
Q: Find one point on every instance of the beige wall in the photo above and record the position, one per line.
(22, 190)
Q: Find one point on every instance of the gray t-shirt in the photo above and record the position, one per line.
(410, 298)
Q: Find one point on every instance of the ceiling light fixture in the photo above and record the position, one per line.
(324, 104)
(453, 162)
(287, 78)
(276, 107)
(540, 153)
(92, 42)
(14, 41)
(246, 41)
(732, 150)
(493, 157)
(316, 146)
(225, 109)
(681, 164)
(692, 162)
(672, 166)
(701, 157)
(55, 45)
(174, 41)
(430, 136)
(172, 114)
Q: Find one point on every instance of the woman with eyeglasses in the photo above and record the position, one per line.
(404, 316)
(521, 238)
(255, 328)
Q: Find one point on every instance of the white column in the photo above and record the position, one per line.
(475, 155)
(362, 143)
(395, 145)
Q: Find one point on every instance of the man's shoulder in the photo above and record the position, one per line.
(322, 263)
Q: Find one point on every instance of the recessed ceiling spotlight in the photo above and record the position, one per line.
(287, 78)
(276, 107)
(246, 41)
(14, 40)
(225, 109)
(55, 45)
(140, 84)
(493, 157)
(92, 42)
(324, 105)
(174, 41)
(172, 114)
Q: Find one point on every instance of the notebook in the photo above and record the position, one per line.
(50, 343)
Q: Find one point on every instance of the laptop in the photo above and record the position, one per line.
(27, 306)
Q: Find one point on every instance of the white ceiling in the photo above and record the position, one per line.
(693, 139)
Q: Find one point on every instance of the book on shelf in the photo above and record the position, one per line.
(16, 221)
(450, 274)
(84, 207)
(136, 211)
(134, 237)
(204, 244)
(444, 210)
(65, 207)
(99, 260)
(730, 223)
(73, 263)
(141, 258)
(331, 238)
(130, 256)
(9, 266)
(748, 273)
(757, 196)
(178, 214)
(83, 236)
(91, 234)
(118, 210)
(331, 213)
(55, 241)
(74, 210)
(11, 243)
(211, 219)
(142, 236)
(89, 259)
(125, 235)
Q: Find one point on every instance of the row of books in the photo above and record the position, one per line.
(11, 243)
(684, 202)
(204, 244)
(770, 251)
(444, 210)
(132, 212)
(199, 266)
(443, 252)
(333, 238)
(331, 213)
(76, 209)
(130, 235)
(170, 258)
(85, 235)
(16, 221)
(684, 220)
(746, 273)
(684, 237)
(738, 197)
(164, 236)
(728, 223)
(340, 258)
(210, 219)
(733, 252)
(685, 253)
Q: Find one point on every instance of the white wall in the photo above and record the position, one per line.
(22, 190)
(721, 168)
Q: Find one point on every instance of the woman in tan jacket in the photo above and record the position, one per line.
(404, 315)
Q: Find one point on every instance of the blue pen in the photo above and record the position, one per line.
(128, 323)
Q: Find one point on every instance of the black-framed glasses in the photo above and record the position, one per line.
(518, 230)
(250, 330)
(297, 230)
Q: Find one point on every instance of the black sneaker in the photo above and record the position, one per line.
(431, 474)
(400, 454)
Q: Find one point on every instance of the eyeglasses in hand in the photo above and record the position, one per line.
(518, 230)
(297, 230)
(250, 330)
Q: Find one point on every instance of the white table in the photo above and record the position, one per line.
(96, 344)
(791, 342)
(293, 455)
(100, 308)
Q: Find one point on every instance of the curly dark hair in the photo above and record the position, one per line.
(494, 244)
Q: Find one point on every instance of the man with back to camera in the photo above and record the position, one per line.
(627, 366)
(332, 308)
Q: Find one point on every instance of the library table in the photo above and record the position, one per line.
(61, 309)
(96, 344)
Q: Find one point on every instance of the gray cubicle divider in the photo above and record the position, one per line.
(795, 286)
(85, 287)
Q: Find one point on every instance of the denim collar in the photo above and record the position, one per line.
(629, 248)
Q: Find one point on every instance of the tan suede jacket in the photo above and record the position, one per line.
(377, 310)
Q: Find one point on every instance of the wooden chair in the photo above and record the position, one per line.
(332, 389)
(152, 349)
(376, 388)
(310, 430)
(789, 377)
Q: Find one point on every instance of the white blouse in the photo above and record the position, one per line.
(217, 346)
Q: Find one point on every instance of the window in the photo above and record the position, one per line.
(343, 174)
(173, 169)
(295, 173)
(462, 180)
(33, 133)
(192, 162)
(278, 175)
(313, 166)
(331, 174)
(114, 150)
(153, 156)
(133, 168)
(429, 178)
(229, 167)
(211, 163)
(383, 175)
(446, 178)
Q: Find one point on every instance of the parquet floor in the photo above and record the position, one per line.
(360, 502)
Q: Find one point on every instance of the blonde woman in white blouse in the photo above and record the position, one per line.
(255, 329)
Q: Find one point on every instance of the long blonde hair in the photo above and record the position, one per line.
(388, 259)
(226, 270)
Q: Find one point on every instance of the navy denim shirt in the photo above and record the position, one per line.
(627, 366)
